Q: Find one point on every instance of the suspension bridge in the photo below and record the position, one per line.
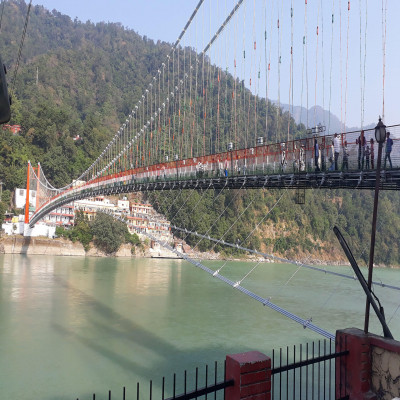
(206, 121)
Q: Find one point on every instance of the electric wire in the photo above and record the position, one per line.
(20, 48)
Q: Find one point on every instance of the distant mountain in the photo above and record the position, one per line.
(321, 116)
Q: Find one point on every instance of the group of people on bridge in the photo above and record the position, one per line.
(366, 153)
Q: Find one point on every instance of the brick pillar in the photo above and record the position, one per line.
(252, 375)
(353, 372)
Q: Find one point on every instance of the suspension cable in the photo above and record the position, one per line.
(266, 302)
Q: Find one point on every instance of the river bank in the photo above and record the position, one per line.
(63, 247)
(57, 247)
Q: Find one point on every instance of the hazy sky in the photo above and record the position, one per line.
(327, 77)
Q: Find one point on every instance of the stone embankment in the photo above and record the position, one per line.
(40, 246)
(56, 247)
(62, 247)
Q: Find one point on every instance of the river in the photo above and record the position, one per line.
(71, 326)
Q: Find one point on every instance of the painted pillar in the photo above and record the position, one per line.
(27, 194)
(353, 372)
(251, 373)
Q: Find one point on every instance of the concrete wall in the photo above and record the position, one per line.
(39, 246)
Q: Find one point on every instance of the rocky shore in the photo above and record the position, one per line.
(61, 247)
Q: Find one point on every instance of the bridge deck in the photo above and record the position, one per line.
(390, 180)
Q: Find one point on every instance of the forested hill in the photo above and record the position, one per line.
(89, 78)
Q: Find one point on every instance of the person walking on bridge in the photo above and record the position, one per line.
(336, 146)
(361, 149)
(389, 145)
(345, 165)
(316, 155)
(372, 152)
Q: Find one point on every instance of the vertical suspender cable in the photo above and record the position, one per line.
(244, 78)
(347, 64)
(322, 61)
(365, 59)
(204, 96)
(196, 99)
(266, 67)
(279, 79)
(316, 68)
(235, 83)
(255, 72)
(330, 74)
(184, 141)
(190, 144)
(306, 44)
(269, 63)
(210, 92)
(341, 64)
(361, 76)
(291, 70)
(384, 12)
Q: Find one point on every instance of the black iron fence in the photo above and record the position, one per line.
(306, 372)
(207, 383)
(299, 372)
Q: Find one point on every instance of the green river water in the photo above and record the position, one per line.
(72, 326)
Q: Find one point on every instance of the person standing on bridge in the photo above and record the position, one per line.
(361, 149)
(316, 154)
(367, 155)
(372, 152)
(336, 146)
(332, 156)
(345, 165)
(322, 149)
(389, 145)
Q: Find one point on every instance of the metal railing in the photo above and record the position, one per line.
(299, 372)
(203, 384)
(306, 372)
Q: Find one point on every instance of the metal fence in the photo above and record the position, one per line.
(298, 372)
(206, 383)
(306, 372)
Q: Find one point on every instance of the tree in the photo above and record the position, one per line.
(108, 233)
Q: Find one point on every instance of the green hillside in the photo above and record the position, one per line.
(83, 79)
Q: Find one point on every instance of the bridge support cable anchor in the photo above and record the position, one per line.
(370, 294)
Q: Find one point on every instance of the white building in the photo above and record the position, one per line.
(92, 205)
(144, 219)
(63, 215)
(17, 227)
(20, 198)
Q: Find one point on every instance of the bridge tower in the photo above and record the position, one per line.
(27, 194)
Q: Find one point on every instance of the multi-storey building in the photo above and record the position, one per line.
(144, 219)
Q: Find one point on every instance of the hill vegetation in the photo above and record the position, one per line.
(81, 79)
